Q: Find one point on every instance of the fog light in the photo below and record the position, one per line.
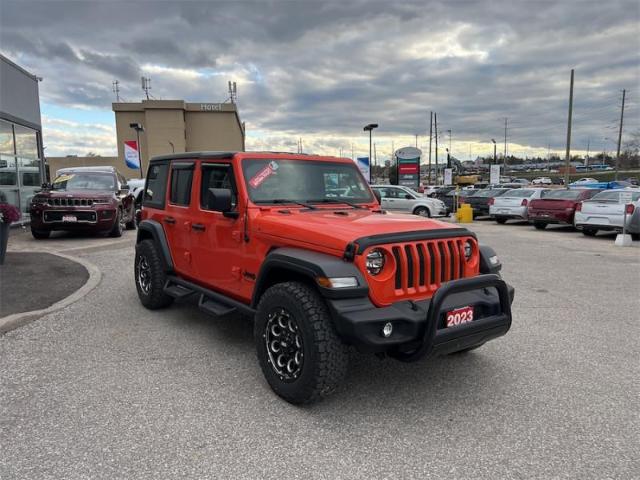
(493, 260)
(387, 330)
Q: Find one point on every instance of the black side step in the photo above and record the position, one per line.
(210, 301)
(214, 308)
(177, 291)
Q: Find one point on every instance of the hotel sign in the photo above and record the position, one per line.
(211, 107)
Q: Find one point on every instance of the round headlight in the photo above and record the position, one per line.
(468, 250)
(375, 261)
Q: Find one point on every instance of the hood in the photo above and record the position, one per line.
(326, 228)
(102, 194)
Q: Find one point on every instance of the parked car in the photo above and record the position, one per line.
(513, 204)
(583, 181)
(605, 211)
(521, 181)
(479, 201)
(396, 198)
(633, 181)
(557, 206)
(542, 181)
(255, 233)
(90, 199)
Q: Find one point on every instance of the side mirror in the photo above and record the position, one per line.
(219, 200)
(125, 188)
(376, 194)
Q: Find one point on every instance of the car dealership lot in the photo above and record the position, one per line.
(105, 388)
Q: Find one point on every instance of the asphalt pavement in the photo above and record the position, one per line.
(107, 389)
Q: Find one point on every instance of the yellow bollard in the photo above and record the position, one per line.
(465, 213)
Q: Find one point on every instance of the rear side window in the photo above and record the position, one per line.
(181, 180)
(217, 175)
(156, 187)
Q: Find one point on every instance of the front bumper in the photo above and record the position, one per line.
(419, 327)
(97, 218)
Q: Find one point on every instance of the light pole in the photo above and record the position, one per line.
(173, 148)
(138, 128)
(369, 128)
(495, 152)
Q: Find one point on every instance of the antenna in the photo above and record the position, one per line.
(116, 90)
(233, 92)
(146, 85)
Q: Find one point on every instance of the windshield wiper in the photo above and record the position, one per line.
(335, 200)
(286, 200)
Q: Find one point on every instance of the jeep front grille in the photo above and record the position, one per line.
(424, 266)
(71, 202)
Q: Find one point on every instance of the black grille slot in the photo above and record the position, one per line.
(396, 255)
(432, 262)
(421, 264)
(452, 260)
(410, 266)
(461, 259)
(443, 267)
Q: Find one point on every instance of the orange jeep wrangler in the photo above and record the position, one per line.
(300, 243)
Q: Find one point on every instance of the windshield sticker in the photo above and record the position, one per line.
(63, 178)
(263, 174)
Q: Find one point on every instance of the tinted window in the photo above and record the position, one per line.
(31, 179)
(217, 176)
(8, 178)
(519, 193)
(156, 185)
(489, 193)
(562, 194)
(181, 179)
(85, 181)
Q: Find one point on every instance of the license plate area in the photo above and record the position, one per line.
(69, 218)
(459, 316)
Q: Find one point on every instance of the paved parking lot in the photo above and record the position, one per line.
(107, 389)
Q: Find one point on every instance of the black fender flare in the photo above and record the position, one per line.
(310, 265)
(486, 266)
(152, 229)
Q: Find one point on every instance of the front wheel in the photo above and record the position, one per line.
(119, 225)
(422, 212)
(299, 352)
(40, 234)
(501, 220)
(150, 277)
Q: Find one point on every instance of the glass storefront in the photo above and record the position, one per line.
(20, 165)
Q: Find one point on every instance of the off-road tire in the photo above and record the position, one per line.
(539, 225)
(325, 357)
(589, 232)
(40, 234)
(422, 212)
(501, 220)
(155, 298)
(118, 226)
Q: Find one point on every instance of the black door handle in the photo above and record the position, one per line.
(170, 220)
(198, 226)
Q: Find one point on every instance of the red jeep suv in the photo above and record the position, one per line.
(300, 243)
(88, 199)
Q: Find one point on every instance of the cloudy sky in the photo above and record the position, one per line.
(321, 70)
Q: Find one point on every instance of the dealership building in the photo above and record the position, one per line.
(162, 127)
(21, 151)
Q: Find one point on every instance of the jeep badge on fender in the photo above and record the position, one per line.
(300, 243)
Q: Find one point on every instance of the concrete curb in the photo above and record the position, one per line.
(16, 320)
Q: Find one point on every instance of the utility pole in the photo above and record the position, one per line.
(586, 160)
(435, 121)
(549, 157)
(504, 159)
(567, 158)
(416, 140)
(430, 135)
(620, 134)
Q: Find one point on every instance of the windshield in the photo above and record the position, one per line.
(304, 181)
(562, 194)
(84, 181)
(613, 196)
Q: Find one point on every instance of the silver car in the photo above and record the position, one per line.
(514, 204)
(403, 199)
(605, 211)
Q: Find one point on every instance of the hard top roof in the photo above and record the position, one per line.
(214, 155)
(105, 169)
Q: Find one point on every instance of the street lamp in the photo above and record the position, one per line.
(369, 128)
(138, 128)
(495, 155)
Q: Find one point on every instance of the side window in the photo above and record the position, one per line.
(181, 180)
(217, 175)
(395, 193)
(156, 187)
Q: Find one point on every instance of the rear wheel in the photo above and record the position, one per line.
(131, 224)
(150, 277)
(299, 352)
(540, 225)
(501, 220)
(40, 234)
(422, 211)
(589, 232)
(119, 225)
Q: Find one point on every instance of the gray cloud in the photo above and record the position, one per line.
(327, 68)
